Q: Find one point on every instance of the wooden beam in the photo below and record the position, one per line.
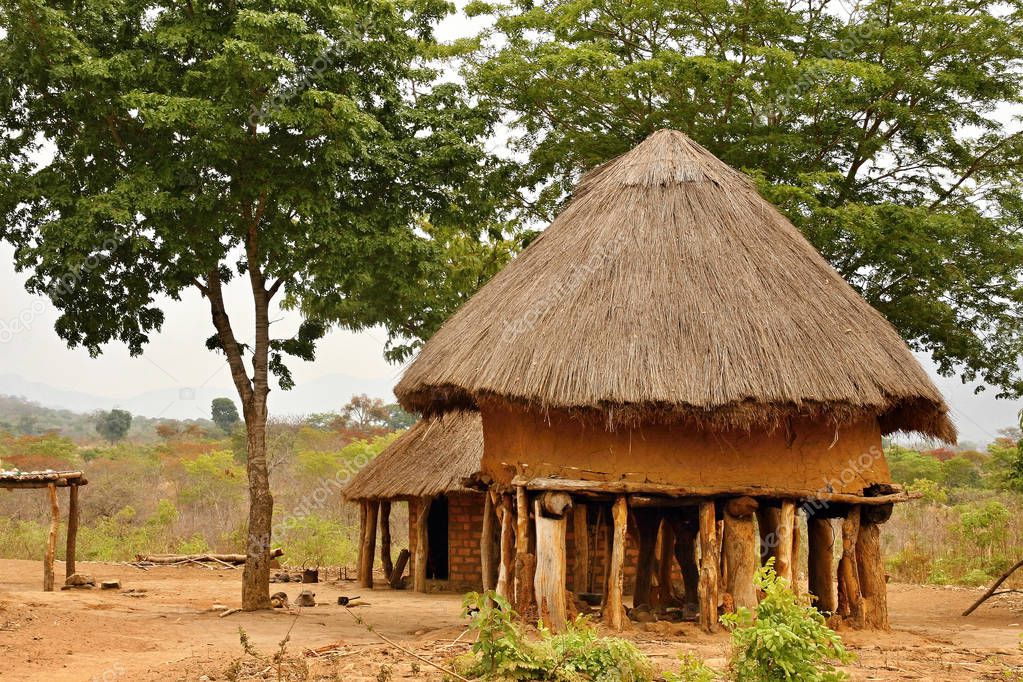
(821, 563)
(740, 551)
(369, 545)
(386, 560)
(709, 567)
(555, 504)
(72, 531)
(850, 599)
(679, 491)
(507, 558)
(551, 567)
(581, 548)
(422, 548)
(51, 540)
(487, 544)
(647, 521)
(614, 607)
(870, 569)
(784, 564)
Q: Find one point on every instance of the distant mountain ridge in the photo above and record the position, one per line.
(326, 394)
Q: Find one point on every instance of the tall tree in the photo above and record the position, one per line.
(886, 133)
(308, 147)
(224, 414)
(113, 425)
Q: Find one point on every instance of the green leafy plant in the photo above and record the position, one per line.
(692, 669)
(502, 650)
(784, 639)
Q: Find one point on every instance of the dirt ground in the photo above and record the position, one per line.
(165, 630)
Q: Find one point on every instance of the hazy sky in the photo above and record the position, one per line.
(177, 356)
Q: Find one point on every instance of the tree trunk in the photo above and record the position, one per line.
(256, 574)
(646, 526)
(487, 543)
(740, 552)
(821, 563)
(614, 608)
(581, 549)
(51, 540)
(72, 531)
(551, 568)
(870, 567)
(850, 599)
(385, 539)
(369, 545)
(709, 567)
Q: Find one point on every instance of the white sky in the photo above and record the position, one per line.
(177, 356)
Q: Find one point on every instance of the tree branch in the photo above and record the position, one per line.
(222, 323)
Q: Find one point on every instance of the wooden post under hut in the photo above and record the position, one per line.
(740, 551)
(386, 560)
(614, 607)
(422, 538)
(821, 563)
(550, 510)
(368, 544)
(709, 566)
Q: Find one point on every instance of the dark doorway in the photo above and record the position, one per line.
(437, 534)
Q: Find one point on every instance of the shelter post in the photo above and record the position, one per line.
(870, 566)
(51, 540)
(386, 561)
(709, 566)
(614, 608)
(740, 551)
(821, 563)
(72, 530)
(368, 544)
(506, 568)
(783, 562)
(581, 554)
(665, 560)
(850, 599)
(422, 508)
(487, 543)
(551, 563)
(647, 521)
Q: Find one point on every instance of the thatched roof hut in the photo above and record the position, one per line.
(669, 290)
(434, 457)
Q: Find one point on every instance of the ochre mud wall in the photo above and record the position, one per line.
(554, 444)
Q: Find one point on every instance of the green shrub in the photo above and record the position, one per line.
(503, 652)
(784, 640)
(692, 669)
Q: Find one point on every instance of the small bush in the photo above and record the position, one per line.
(503, 652)
(692, 669)
(784, 640)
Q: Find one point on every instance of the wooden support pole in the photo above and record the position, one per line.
(850, 599)
(487, 544)
(665, 562)
(507, 559)
(709, 566)
(386, 561)
(767, 521)
(363, 507)
(870, 568)
(796, 542)
(399, 569)
(687, 529)
(72, 531)
(422, 548)
(614, 606)
(525, 561)
(647, 521)
(551, 566)
(581, 549)
(784, 564)
(740, 551)
(369, 545)
(821, 563)
(51, 540)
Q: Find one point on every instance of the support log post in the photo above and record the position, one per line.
(399, 570)
(850, 599)
(551, 561)
(709, 566)
(740, 551)
(687, 530)
(422, 549)
(767, 521)
(385, 539)
(72, 531)
(870, 568)
(487, 543)
(614, 607)
(507, 559)
(647, 521)
(525, 561)
(369, 545)
(51, 540)
(821, 563)
(665, 562)
(581, 550)
(784, 564)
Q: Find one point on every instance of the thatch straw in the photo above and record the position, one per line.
(670, 289)
(431, 458)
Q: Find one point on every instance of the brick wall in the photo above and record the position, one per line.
(465, 526)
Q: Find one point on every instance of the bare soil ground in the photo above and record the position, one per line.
(166, 630)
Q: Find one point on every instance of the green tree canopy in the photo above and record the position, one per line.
(885, 134)
(224, 414)
(311, 149)
(113, 425)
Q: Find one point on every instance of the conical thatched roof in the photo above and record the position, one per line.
(431, 458)
(669, 289)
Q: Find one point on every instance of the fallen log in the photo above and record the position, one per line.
(991, 592)
(169, 559)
